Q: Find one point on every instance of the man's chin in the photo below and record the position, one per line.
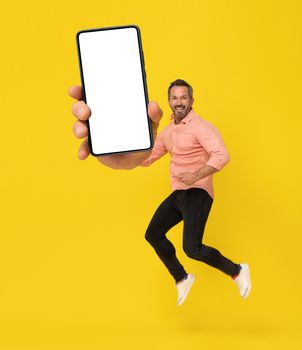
(180, 114)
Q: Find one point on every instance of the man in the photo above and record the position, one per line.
(197, 152)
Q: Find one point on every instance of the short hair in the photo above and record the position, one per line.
(180, 82)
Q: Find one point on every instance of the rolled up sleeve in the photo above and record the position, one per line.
(159, 149)
(211, 140)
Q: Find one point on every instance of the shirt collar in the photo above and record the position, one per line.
(187, 118)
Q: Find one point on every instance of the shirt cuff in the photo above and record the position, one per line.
(217, 164)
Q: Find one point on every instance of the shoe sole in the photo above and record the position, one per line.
(249, 287)
(182, 300)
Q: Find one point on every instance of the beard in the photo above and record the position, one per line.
(181, 111)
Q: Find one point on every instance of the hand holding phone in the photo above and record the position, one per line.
(116, 161)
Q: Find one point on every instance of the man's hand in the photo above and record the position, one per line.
(190, 178)
(80, 129)
(187, 178)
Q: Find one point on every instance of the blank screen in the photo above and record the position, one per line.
(114, 87)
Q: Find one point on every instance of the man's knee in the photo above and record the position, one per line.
(190, 251)
(150, 236)
(199, 252)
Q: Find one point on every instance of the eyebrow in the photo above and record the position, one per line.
(180, 96)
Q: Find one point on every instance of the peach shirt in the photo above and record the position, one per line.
(192, 144)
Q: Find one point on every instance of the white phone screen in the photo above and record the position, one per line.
(114, 84)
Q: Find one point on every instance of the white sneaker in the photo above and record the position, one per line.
(243, 281)
(183, 288)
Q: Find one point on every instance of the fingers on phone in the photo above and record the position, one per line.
(80, 129)
(154, 111)
(83, 152)
(75, 92)
(81, 110)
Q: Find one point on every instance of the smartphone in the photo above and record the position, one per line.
(114, 87)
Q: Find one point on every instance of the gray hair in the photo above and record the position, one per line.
(180, 82)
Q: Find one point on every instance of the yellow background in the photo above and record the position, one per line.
(76, 272)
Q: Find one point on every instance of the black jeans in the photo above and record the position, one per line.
(193, 207)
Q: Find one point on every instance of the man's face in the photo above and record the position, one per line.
(180, 101)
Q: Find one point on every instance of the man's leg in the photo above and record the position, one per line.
(196, 207)
(166, 216)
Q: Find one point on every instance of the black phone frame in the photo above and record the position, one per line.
(143, 69)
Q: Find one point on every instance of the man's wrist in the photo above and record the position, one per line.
(205, 171)
(197, 176)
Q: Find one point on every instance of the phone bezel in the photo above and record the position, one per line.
(143, 70)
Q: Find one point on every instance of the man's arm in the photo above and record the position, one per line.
(211, 140)
(190, 178)
(205, 171)
(159, 149)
